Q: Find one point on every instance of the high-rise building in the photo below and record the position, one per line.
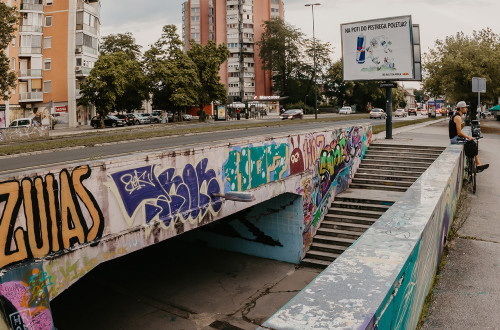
(54, 49)
(238, 23)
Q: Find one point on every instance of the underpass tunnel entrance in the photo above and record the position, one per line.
(190, 280)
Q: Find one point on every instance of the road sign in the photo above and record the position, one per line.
(478, 85)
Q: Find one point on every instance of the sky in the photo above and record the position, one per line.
(437, 18)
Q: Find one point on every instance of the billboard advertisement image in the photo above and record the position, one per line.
(379, 49)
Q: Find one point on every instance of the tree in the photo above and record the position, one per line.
(109, 80)
(208, 60)
(172, 76)
(8, 22)
(280, 51)
(452, 63)
(121, 42)
(335, 87)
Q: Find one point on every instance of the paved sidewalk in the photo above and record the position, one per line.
(467, 295)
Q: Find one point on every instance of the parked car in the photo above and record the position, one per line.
(400, 113)
(170, 116)
(345, 111)
(412, 111)
(187, 117)
(128, 117)
(423, 112)
(21, 122)
(109, 121)
(292, 114)
(138, 119)
(152, 119)
(378, 113)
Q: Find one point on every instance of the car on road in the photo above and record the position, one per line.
(345, 111)
(400, 113)
(109, 121)
(128, 117)
(292, 114)
(22, 122)
(377, 113)
(423, 112)
(412, 111)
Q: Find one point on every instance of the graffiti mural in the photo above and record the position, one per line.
(166, 195)
(24, 295)
(51, 219)
(251, 167)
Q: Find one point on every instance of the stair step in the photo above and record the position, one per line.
(357, 212)
(402, 147)
(339, 233)
(406, 168)
(332, 248)
(326, 239)
(340, 225)
(402, 158)
(387, 176)
(315, 263)
(322, 255)
(376, 153)
(360, 205)
(377, 187)
(369, 171)
(400, 162)
(390, 183)
(350, 219)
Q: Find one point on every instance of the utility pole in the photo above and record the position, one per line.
(314, 61)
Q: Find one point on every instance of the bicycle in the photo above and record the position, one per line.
(471, 169)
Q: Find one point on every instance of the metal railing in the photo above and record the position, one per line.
(30, 73)
(30, 96)
(30, 28)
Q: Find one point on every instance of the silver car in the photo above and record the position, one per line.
(139, 119)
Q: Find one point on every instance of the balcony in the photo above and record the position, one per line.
(82, 71)
(29, 51)
(31, 5)
(89, 50)
(31, 28)
(86, 28)
(31, 97)
(29, 74)
(89, 8)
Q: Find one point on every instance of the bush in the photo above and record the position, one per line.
(300, 105)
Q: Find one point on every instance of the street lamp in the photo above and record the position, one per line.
(314, 61)
(305, 101)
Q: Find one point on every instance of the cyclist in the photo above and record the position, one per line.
(457, 136)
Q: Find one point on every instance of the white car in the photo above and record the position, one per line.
(345, 111)
(22, 122)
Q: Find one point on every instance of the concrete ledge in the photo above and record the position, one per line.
(23, 133)
(383, 279)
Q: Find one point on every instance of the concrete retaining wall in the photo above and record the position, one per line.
(59, 223)
(23, 133)
(383, 279)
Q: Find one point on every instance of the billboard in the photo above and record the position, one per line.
(380, 49)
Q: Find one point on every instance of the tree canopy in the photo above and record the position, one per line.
(121, 42)
(8, 21)
(452, 63)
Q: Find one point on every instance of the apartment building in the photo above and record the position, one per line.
(238, 23)
(54, 49)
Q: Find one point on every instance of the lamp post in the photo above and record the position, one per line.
(305, 101)
(314, 61)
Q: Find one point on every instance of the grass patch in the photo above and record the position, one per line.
(156, 131)
(381, 128)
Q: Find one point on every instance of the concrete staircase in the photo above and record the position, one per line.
(385, 173)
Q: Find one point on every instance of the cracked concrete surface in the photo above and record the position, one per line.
(468, 293)
(176, 285)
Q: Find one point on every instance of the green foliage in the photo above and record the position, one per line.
(121, 42)
(452, 63)
(300, 105)
(8, 21)
(172, 76)
(208, 60)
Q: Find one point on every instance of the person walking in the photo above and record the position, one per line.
(457, 136)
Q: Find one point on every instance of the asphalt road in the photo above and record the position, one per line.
(11, 165)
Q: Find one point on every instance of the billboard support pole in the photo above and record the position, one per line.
(388, 109)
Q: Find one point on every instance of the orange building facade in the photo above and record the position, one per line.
(54, 49)
(238, 23)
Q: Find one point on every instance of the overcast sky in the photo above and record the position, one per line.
(437, 18)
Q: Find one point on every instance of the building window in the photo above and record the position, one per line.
(47, 86)
(48, 21)
(13, 64)
(47, 64)
(47, 42)
(48, 2)
(14, 42)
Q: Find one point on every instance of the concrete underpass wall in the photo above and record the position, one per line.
(60, 222)
(383, 279)
(23, 133)
(272, 229)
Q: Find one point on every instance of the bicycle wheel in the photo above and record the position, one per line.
(474, 172)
